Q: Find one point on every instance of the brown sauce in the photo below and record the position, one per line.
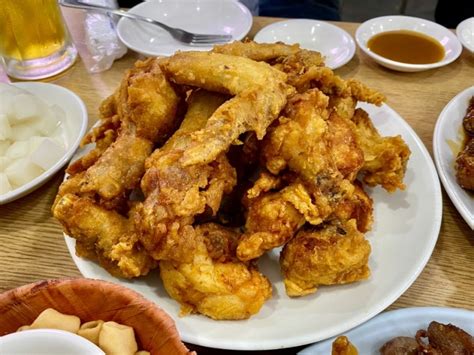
(407, 47)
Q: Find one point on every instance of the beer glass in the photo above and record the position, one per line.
(34, 40)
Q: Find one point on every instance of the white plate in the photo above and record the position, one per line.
(40, 341)
(403, 237)
(446, 38)
(447, 137)
(333, 42)
(465, 33)
(199, 16)
(369, 337)
(74, 127)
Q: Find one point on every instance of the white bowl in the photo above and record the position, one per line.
(333, 42)
(465, 33)
(47, 341)
(74, 127)
(446, 138)
(198, 16)
(446, 38)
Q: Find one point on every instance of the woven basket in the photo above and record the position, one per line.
(92, 300)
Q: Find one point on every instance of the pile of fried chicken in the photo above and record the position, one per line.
(205, 161)
(465, 160)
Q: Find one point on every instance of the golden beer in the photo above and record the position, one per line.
(33, 37)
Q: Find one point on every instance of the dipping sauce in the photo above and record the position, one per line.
(407, 47)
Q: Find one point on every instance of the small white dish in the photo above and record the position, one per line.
(198, 16)
(448, 136)
(465, 33)
(402, 239)
(446, 38)
(74, 128)
(47, 341)
(369, 337)
(331, 41)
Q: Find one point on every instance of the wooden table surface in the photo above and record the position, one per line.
(31, 242)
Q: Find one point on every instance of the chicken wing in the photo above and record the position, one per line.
(335, 253)
(214, 283)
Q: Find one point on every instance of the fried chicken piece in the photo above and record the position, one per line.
(347, 155)
(271, 221)
(358, 206)
(105, 234)
(385, 158)
(174, 193)
(214, 283)
(400, 346)
(260, 52)
(259, 91)
(342, 346)
(465, 167)
(335, 253)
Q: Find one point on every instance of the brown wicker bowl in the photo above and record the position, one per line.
(92, 300)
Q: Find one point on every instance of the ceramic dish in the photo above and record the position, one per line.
(47, 341)
(333, 42)
(208, 17)
(402, 239)
(370, 336)
(74, 128)
(446, 38)
(465, 33)
(447, 139)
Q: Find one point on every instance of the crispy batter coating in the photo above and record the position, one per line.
(104, 234)
(175, 193)
(260, 52)
(214, 283)
(259, 91)
(465, 167)
(385, 158)
(342, 346)
(335, 254)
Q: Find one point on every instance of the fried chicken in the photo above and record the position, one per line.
(174, 193)
(259, 91)
(214, 283)
(335, 253)
(385, 158)
(342, 346)
(464, 165)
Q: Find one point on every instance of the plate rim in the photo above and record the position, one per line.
(352, 46)
(407, 66)
(309, 337)
(247, 15)
(387, 316)
(437, 135)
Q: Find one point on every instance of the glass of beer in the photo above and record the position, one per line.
(34, 40)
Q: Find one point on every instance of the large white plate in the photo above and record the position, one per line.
(369, 337)
(333, 42)
(403, 237)
(198, 16)
(448, 136)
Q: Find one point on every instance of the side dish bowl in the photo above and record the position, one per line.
(446, 38)
(465, 33)
(74, 125)
(92, 300)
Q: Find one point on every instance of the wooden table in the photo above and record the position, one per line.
(31, 242)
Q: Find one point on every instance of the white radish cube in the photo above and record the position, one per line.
(4, 162)
(7, 92)
(58, 136)
(18, 150)
(22, 171)
(4, 145)
(26, 106)
(22, 132)
(47, 123)
(35, 142)
(4, 184)
(5, 128)
(47, 154)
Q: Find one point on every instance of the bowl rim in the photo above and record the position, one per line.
(47, 174)
(395, 64)
(459, 27)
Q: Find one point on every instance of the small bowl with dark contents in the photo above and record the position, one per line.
(408, 44)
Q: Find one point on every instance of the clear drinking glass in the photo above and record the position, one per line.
(34, 40)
